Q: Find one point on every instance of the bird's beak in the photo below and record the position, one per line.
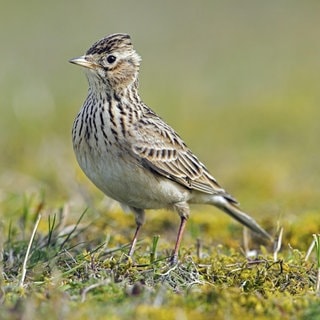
(83, 62)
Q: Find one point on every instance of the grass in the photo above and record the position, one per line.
(51, 268)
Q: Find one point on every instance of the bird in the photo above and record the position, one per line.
(131, 154)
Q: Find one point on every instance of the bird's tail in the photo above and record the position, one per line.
(232, 210)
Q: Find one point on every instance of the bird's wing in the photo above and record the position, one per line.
(163, 151)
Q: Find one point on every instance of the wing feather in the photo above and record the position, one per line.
(162, 150)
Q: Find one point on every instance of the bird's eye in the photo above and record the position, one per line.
(111, 59)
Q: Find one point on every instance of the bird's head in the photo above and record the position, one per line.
(111, 61)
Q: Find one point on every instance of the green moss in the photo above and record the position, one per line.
(74, 275)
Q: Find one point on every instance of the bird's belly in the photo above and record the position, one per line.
(122, 178)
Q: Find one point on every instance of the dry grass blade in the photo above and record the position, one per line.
(277, 245)
(310, 250)
(317, 245)
(24, 266)
(93, 286)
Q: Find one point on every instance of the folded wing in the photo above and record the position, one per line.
(163, 151)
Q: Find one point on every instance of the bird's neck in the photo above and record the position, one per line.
(129, 92)
(118, 101)
(116, 92)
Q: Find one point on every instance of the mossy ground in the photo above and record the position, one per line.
(80, 270)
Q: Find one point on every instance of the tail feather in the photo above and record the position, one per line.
(232, 210)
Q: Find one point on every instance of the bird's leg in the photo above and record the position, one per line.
(183, 210)
(134, 240)
(174, 258)
(140, 218)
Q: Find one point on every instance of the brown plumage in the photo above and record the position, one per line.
(130, 153)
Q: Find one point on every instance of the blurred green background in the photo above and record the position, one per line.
(239, 81)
